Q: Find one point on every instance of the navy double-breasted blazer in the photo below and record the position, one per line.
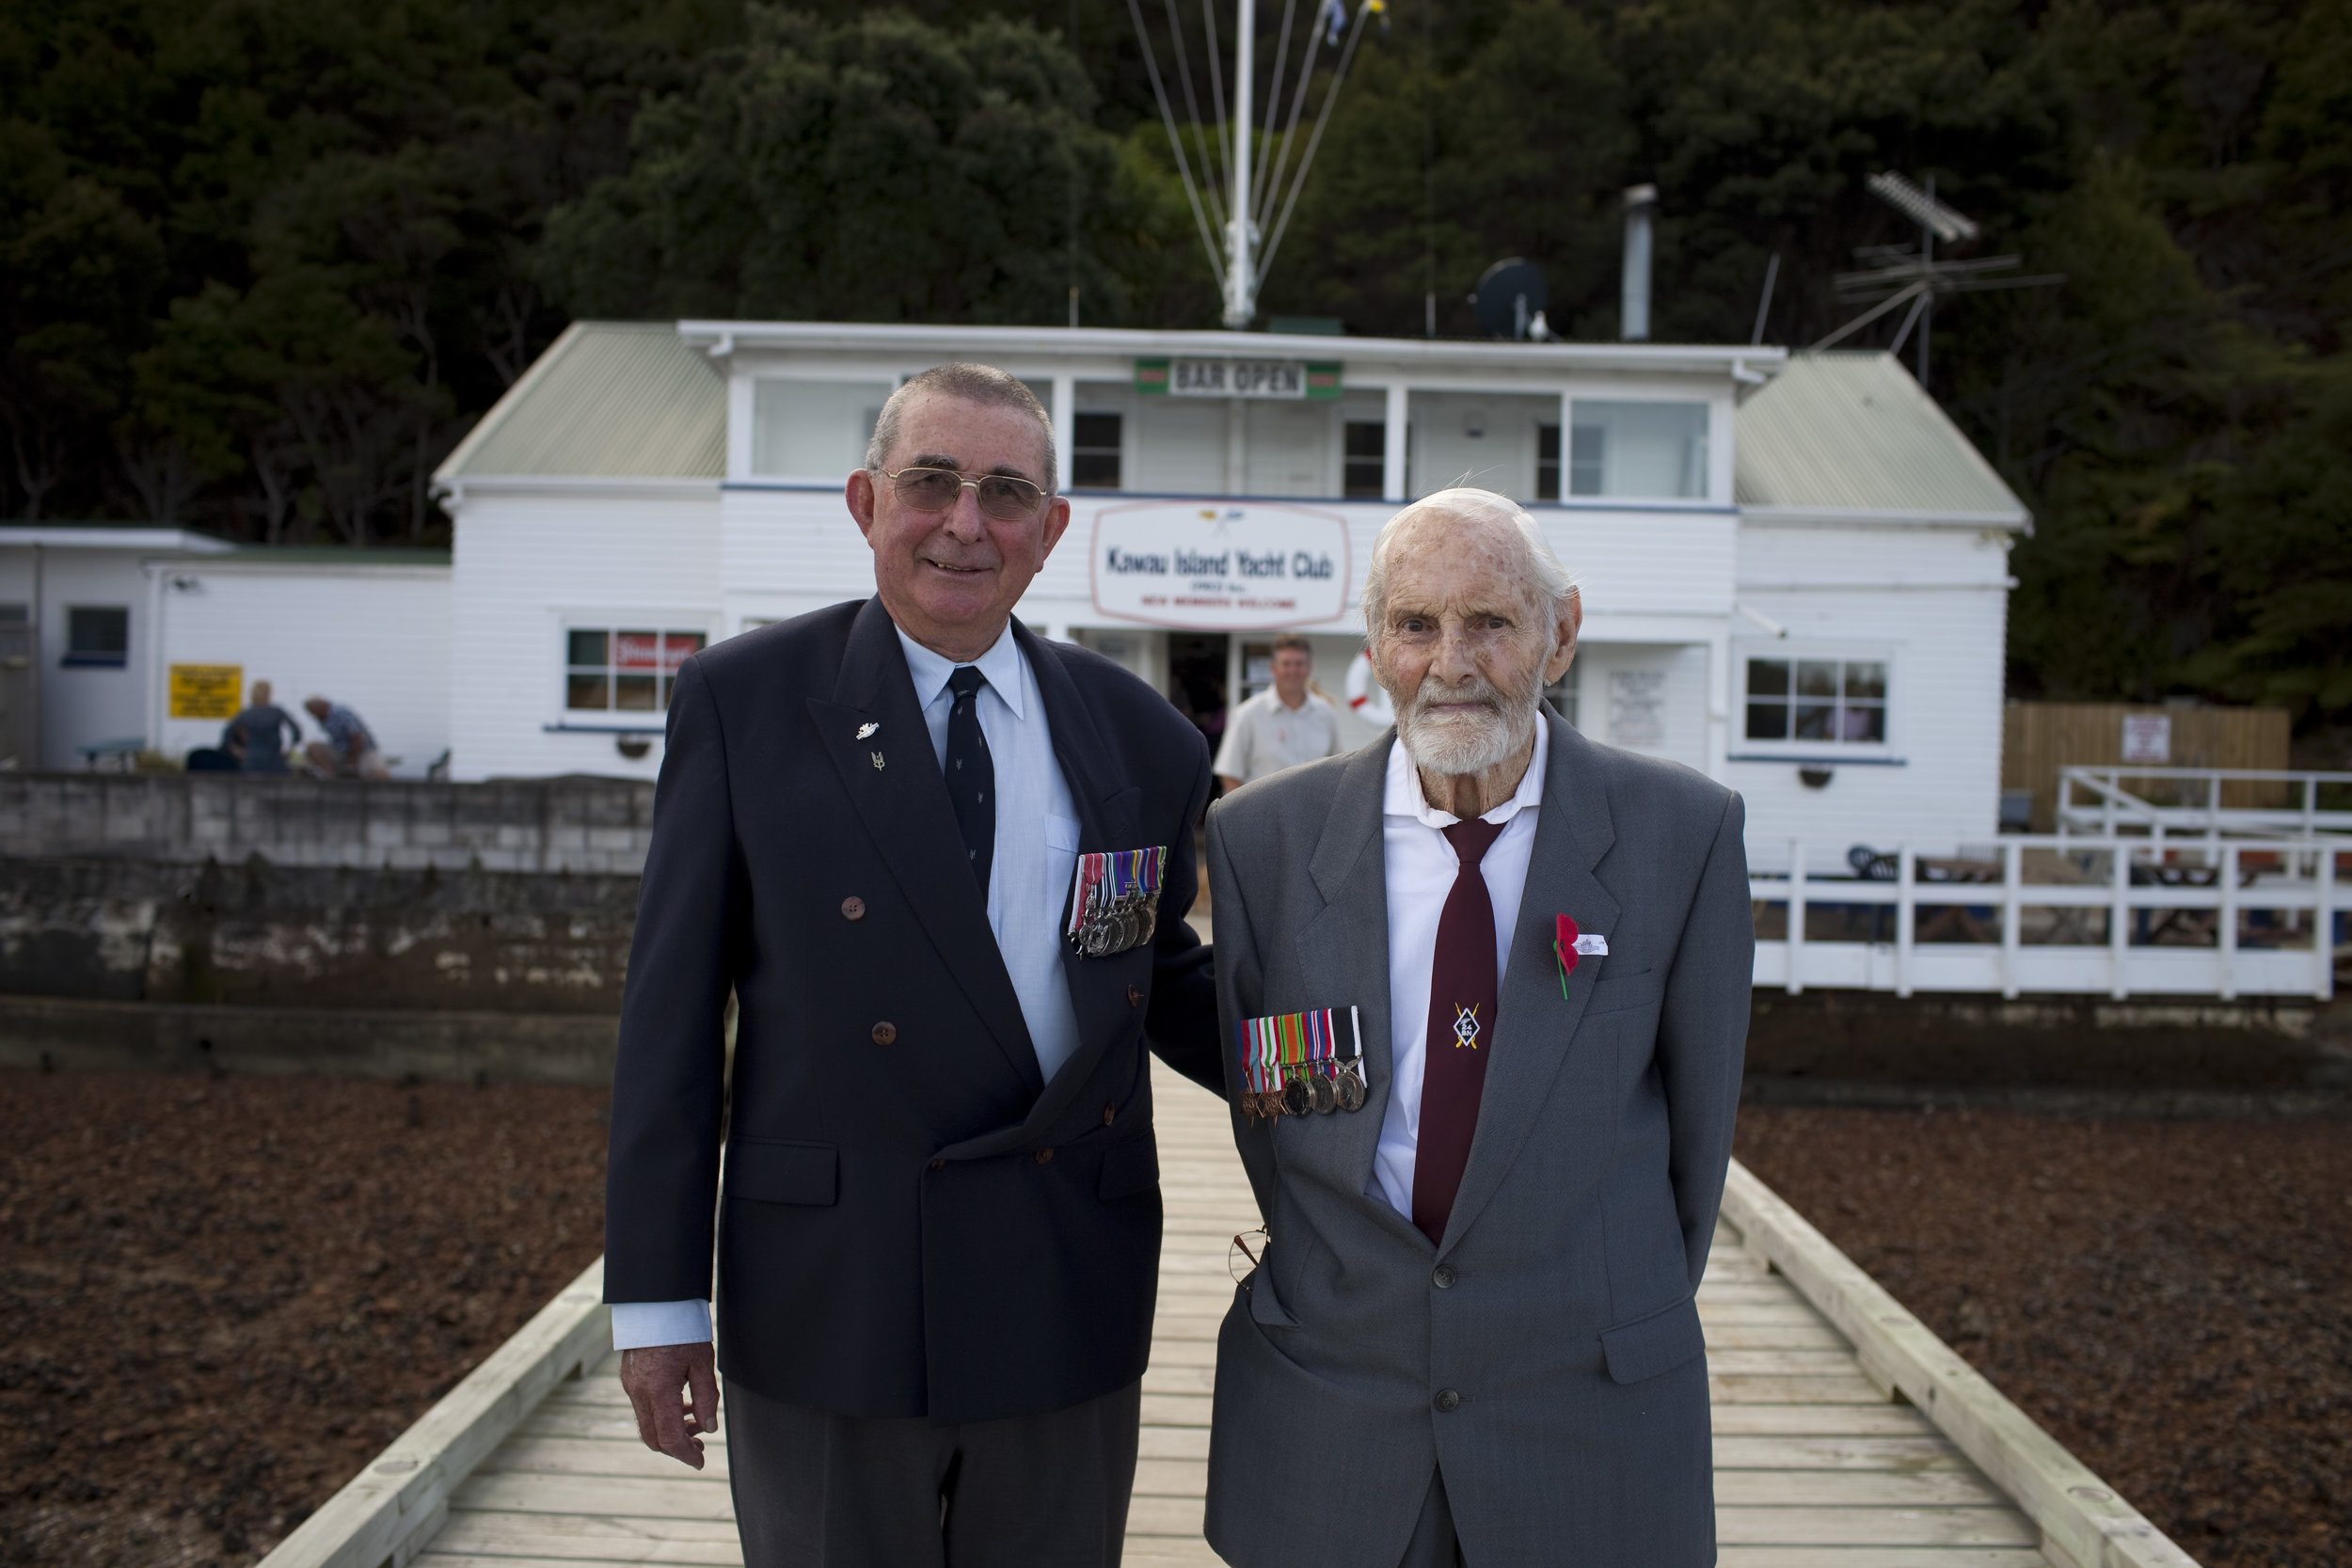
(912, 1222)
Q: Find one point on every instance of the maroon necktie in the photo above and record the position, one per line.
(1461, 1030)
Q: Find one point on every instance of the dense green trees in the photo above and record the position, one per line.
(261, 262)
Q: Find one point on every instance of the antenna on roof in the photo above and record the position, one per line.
(1894, 275)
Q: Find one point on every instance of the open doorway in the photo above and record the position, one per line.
(1196, 674)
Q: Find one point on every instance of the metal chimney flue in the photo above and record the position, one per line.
(1640, 205)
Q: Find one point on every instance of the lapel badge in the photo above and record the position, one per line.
(1569, 945)
(867, 729)
(878, 760)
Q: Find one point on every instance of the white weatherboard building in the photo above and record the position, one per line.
(1795, 568)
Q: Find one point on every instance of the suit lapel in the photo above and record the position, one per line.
(1109, 818)
(1345, 952)
(903, 802)
(1536, 1028)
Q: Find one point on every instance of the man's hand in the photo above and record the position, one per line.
(654, 1377)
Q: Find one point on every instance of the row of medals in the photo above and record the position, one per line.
(1313, 1092)
(1125, 921)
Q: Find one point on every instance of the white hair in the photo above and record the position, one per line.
(1554, 589)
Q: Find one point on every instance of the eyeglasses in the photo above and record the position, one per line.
(1003, 497)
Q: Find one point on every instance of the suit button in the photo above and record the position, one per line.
(1110, 1113)
(939, 1165)
(1448, 1399)
(885, 1032)
(1044, 1156)
(1443, 1278)
(853, 907)
(1134, 997)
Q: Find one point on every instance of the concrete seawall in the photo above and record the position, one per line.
(581, 825)
(258, 935)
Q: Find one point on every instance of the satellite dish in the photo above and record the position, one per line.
(1510, 297)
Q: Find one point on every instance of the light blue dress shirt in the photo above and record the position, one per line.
(1035, 863)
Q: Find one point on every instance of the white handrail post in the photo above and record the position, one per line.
(2310, 804)
(2013, 913)
(2212, 810)
(2227, 933)
(1906, 912)
(2119, 918)
(1796, 916)
(2324, 922)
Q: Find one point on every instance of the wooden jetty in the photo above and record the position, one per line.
(1846, 1433)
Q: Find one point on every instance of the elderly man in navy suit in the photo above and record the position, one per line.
(943, 866)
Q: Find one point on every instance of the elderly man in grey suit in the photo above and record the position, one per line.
(1472, 1336)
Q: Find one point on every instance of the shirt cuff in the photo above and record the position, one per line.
(643, 1324)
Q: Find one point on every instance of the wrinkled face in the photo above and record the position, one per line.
(1464, 645)
(1290, 667)
(950, 578)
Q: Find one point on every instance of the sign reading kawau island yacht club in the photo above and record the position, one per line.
(1237, 379)
(1179, 563)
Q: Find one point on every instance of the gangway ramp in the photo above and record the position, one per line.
(1846, 1434)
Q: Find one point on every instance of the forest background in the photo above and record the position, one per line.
(264, 261)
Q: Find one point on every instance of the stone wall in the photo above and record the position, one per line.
(256, 934)
(597, 826)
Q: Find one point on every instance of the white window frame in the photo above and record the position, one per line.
(609, 621)
(1792, 653)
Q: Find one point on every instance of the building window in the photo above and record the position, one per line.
(1836, 701)
(1651, 450)
(1095, 446)
(1547, 462)
(97, 637)
(813, 429)
(1364, 474)
(623, 671)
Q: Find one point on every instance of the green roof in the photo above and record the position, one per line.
(1852, 431)
(608, 400)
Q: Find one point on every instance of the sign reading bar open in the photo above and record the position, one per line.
(1221, 568)
(1237, 379)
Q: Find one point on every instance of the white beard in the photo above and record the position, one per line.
(1467, 743)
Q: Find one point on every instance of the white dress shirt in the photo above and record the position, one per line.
(1419, 863)
(1035, 864)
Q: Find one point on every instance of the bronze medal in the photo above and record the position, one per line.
(1324, 1093)
(1349, 1090)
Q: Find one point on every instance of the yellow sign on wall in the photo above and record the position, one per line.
(206, 690)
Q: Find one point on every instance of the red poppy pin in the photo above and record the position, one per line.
(1567, 944)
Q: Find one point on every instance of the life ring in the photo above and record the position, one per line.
(1366, 697)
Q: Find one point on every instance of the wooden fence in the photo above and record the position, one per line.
(2038, 738)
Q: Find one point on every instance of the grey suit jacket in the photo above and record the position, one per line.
(1559, 1311)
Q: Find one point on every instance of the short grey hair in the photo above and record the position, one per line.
(983, 383)
(1553, 587)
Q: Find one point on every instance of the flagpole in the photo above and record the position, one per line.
(1241, 272)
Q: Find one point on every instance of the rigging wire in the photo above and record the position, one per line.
(1274, 94)
(1322, 118)
(1273, 189)
(1216, 93)
(1167, 117)
(1192, 107)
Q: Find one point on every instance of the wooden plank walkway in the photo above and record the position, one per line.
(1815, 1467)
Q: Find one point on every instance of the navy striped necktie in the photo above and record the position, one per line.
(971, 775)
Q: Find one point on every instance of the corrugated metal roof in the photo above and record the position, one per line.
(1854, 433)
(607, 399)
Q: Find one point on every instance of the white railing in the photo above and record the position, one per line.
(2049, 914)
(2097, 800)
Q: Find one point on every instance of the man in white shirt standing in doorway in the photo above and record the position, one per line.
(1280, 728)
